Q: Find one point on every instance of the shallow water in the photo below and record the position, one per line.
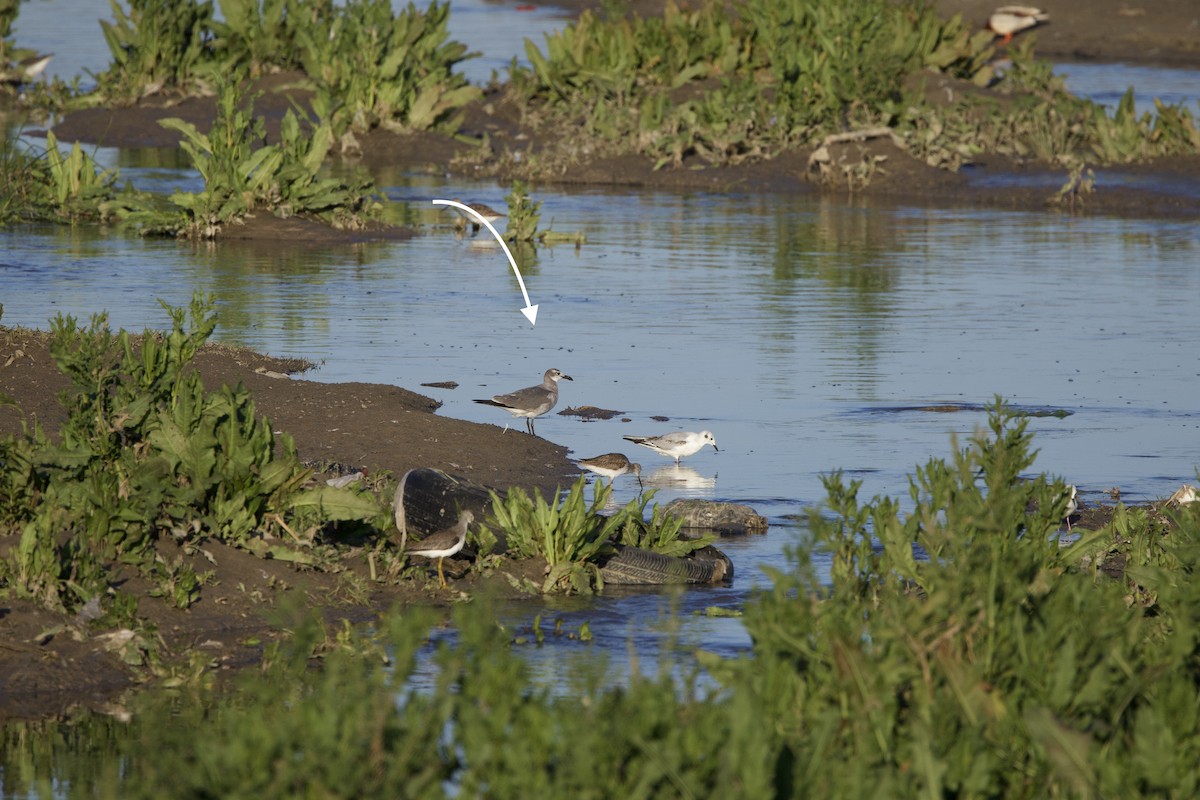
(804, 332)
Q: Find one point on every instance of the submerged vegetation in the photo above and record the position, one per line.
(1004, 664)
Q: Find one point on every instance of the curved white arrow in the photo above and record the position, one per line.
(530, 311)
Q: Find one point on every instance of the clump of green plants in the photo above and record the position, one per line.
(147, 453)
(730, 86)
(368, 66)
(524, 214)
(157, 46)
(243, 174)
(570, 535)
(260, 37)
(999, 664)
(49, 186)
(721, 85)
(371, 67)
(574, 536)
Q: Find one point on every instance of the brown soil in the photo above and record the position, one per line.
(48, 663)
(382, 428)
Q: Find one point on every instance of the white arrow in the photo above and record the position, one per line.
(530, 310)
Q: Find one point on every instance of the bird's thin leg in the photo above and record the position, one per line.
(441, 575)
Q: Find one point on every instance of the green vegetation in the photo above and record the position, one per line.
(1004, 665)
(723, 86)
(147, 454)
(241, 175)
(572, 536)
(157, 46)
(52, 187)
(371, 68)
(366, 65)
(524, 213)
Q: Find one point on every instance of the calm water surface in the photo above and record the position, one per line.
(796, 329)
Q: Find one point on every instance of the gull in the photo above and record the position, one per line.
(532, 401)
(676, 445)
(464, 219)
(1007, 21)
(612, 466)
(444, 543)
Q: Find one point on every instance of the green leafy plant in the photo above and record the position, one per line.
(574, 536)
(374, 68)
(158, 45)
(146, 452)
(242, 174)
(524, 213)
(569, 535)
(260, 36)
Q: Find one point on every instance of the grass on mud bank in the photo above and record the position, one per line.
(367, 65)
(1005, 665)
(724, 86)
(242, 174)
(146, 453)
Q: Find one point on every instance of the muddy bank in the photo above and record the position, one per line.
(1164, 32)
(50, 663)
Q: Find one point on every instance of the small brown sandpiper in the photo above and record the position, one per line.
(487, 212)
(612, 466)
(444, 543)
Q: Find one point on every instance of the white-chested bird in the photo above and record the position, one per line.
(612, 466)
(1007, 21)
(676, 445)
(444, 543)
(464, 219)
(532, 401)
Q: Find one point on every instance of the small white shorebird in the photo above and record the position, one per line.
(1072, 495)
(612, 466)
(444, 543)
(1007, 21)
(26, 69)
(676, 445)
(532, 401)
(465, 219)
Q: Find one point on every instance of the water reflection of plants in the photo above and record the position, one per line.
(1004, 665)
